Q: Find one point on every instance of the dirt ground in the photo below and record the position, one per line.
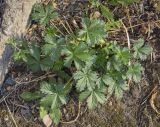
(140, 105)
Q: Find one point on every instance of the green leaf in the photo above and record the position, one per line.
(33, 64)
(115, 85)
(20, 55)
(43, 112)
(86, 78)
(123, 2)
(53, 48)
(78, 54)
(95, 3)
(29, 96)
(43, 14)
(55, 95)
(106, 12)
(35, 52)
(112, 25)
(134, 72)
(108, 80)
(140, 51)
(67, 88)
(93, 97)
(47, 101)
(46, 63)
(56, 115)
(123, 55)
(93, 31)
(46, 88)
(84, 95)
(92, 101)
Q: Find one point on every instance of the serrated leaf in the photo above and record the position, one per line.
(43, 112)
(108, 80)
(43, 14)
(33, 64)
(123, 55)
(93, 97)
(55, 95)
(92, 101)
(46, 88)
(46, 63)
(116, 85)
(30, 96)
(84, 95)
(106, 12)
(35, 52)
(86, 78)
(53, 49)
(77, 54)
(93, 31)
(134, 72)
(123, 2)
(56, 115)
(95, 3)
(140, 51)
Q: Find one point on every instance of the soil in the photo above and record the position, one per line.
(140, 105)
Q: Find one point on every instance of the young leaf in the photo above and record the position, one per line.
(86, 78)
(43, 14)
(140, 51)
(93, 31)
(134, 72)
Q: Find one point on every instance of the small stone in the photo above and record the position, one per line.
(6, 118)
(9, 88)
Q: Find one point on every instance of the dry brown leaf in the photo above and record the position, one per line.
(152, 102)
(47, 121)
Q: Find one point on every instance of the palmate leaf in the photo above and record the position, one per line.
(43, 64)
(134, 72)
(93, 97)
(116, 87)
(93, 31)
(55, 95)
(35, 62)
(43, 14)
(85, 78)
(78, 54)
(122, 55)
(53, 48)
(140, 51)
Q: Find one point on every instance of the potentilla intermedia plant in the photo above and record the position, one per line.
(96, 68)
